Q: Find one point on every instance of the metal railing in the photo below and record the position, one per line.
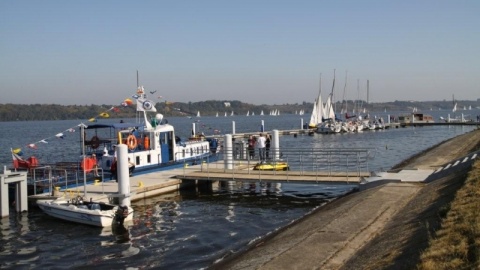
(348, 162)
(46, 178)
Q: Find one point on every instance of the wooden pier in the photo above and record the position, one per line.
(249, 175)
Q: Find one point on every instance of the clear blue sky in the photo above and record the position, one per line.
(261, 52)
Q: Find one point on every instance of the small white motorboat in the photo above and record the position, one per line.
(90, 213)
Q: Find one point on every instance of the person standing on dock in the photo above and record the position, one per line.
(131, 167)
(251, 147)
(113, 170)
(267, 146)
(95, 166)
(261, 144)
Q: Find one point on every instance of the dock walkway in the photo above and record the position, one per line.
(275, 176)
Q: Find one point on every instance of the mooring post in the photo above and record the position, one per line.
(262, 127)
(228, 152)
(276, 144)
(301, 123)
(233, 127)
(123, 175)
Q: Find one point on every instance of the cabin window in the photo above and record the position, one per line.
(196, 151)
(137, 160)
(149, 158)
(191, 151)
(183, 153)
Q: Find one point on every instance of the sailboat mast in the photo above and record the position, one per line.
(344, 93)
(368, 89)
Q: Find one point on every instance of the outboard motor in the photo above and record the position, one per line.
(120, 214)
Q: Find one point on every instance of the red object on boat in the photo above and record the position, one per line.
(88, 163)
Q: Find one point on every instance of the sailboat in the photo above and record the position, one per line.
(317, 111)
(261, 113)
(198, 113)
(216, 115)
(248, 113)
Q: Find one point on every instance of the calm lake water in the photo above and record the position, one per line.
(188, 229)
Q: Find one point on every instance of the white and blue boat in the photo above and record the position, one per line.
(152, 142)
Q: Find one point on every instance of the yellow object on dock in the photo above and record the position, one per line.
(97, 182)
(140, 184)
(272, 166)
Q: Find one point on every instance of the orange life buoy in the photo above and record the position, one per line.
(95, 142)
(131, 142)
(146, 142)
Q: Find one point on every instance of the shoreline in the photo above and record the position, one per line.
(386, 226)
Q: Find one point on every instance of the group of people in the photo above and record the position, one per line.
(262, 143)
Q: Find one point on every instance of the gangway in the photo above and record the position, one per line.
(331, 166)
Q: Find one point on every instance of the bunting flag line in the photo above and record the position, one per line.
(127, 102)
(147, 105)
(32, 146)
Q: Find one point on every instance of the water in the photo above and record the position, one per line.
(188, 229)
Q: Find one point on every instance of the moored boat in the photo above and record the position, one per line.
(90, 213)
(152, 144)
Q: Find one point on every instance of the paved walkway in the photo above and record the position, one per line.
(328, 237)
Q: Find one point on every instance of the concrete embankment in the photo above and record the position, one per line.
(384, 227)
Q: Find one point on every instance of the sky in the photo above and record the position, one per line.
(256, 51)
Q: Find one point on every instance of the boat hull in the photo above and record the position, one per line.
(82, 213)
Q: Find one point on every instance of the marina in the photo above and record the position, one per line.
(168, 222)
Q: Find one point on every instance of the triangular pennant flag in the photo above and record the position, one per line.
(60, 135)
(92, 120)
(32, 146)
(104, 115)
(71, 130)
(115, 109)
(127, 102)
(43, 141)
(17, 151)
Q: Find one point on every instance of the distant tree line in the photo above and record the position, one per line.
(36, 112)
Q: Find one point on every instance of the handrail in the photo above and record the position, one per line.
(349, 161)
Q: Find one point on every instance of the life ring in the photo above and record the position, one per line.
(95, 142)
(131, 142)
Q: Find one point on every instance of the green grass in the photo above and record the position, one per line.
(457, 244)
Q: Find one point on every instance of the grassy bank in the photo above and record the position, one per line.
(457, 244)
